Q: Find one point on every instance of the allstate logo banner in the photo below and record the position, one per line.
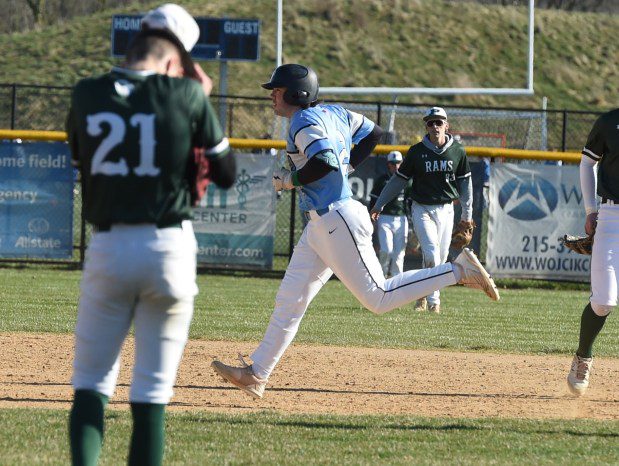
(531, 207)
(36, 200)
(236, 227)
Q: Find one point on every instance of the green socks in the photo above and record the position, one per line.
(590, 326)
(147, 438)
(86, 430)
(86, 427)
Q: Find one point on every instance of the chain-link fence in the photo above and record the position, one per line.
(44, 108)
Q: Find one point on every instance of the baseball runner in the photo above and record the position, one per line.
(131, 133)
(439, 170)
(338, 236)
(392, 225)
(601, 155)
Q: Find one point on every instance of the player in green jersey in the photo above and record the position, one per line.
(439, 170)
(132, 133)
(392, 225)
(601, 155)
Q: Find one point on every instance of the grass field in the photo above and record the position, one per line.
(237, 308)
(232, 308)
(268, 438)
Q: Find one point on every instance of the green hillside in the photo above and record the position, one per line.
(408, 43)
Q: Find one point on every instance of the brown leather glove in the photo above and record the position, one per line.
(578, 244)
(462, 234)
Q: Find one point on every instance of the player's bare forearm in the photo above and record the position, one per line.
(203, 78)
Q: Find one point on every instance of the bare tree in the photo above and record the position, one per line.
(22, 15)
(16, 18)
(37, 7)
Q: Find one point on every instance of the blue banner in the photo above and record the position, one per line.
(36, 200)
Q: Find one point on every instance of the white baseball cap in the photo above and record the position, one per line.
(177, 20)
(435, 113)
(395, 156)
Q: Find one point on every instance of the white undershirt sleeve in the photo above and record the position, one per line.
(466, 198)
(588, 178)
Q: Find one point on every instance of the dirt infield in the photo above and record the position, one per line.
(35, 371)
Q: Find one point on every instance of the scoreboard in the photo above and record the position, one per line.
(220, 38)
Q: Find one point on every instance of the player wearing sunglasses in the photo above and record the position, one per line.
(440, 172)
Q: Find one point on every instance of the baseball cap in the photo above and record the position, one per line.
(177, 20)
(435, 113)
(395, 156)
(173, 23)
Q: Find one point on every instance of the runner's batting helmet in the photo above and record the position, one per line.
(301, 83)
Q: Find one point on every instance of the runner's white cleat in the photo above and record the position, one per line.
(243, 377)
(578, 378)
(473, 274)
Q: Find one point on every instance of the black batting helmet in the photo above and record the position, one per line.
(301, 83)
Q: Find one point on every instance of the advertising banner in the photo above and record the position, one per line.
(36, 200)
(531, 207)
(236, 227)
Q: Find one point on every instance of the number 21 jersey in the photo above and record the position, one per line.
(131, 134)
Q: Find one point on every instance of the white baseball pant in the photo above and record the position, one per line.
(140, 274)
(433, 225)
(338, 242)
(605, 261)
(392, 233)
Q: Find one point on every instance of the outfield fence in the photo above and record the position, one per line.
(498, 133)
(44, 108)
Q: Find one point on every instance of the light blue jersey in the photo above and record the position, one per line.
(325, 127)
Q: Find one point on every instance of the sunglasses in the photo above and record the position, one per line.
(438, 123)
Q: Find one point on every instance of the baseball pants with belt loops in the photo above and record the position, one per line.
(392, 235)
(340, 242)
(605, 260)
(140, 274)
(433, 225)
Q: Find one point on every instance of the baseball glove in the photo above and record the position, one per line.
(578, 244)
(462, 234)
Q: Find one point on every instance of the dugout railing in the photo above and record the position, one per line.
(490, 132)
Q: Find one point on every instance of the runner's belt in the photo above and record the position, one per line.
(103, 227)
(320, 212)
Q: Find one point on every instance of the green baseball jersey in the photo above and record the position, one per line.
(397, 205)
(435, 171)
(603, 147)
(131, 134)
